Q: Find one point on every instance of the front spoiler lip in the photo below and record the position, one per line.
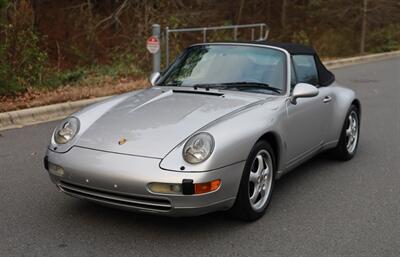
(129, 201)
(169, 211)
(129, 175)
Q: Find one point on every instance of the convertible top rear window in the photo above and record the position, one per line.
(325, 77)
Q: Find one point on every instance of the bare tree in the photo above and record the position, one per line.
(363, 26)
(239, 16)
(283, 15)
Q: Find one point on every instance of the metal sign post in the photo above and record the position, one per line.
(262, 27)
(156, 32)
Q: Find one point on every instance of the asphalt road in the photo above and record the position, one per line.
(323, 208)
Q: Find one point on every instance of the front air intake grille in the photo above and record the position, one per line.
(123, 200)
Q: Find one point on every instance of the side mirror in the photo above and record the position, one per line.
(154, 77)
(303, 90)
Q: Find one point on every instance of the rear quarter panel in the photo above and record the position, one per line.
(343, 98)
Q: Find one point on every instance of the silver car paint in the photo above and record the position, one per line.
(301, 130)
(130, 175)
(161, 117)
(87, 116)
(157, 122)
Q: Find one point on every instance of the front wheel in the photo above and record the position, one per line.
(256, 184)
(349, 137)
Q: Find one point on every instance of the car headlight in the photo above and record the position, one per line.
(198, 148)
(66, 131)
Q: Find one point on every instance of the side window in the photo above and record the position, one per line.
(293, 79)
(306, 70)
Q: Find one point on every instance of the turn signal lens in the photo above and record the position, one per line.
(191, 189)
(202, 188)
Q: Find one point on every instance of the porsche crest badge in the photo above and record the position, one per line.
(122, 141)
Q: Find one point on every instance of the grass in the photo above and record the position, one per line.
(95, 75)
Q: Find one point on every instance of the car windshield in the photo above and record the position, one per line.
(230, 67)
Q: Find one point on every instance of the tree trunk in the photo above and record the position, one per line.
(364, 26)
(283, 16)
(239, 16)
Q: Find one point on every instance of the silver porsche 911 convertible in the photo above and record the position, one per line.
(213, 132)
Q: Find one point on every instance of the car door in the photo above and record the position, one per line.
(307, 119)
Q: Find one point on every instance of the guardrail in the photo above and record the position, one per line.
(262, 27)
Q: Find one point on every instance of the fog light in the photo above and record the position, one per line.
(55, 169)
(165, 188)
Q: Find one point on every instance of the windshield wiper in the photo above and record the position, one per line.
(240, 85)
(173, 83)
(261, 85)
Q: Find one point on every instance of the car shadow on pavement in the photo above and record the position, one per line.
(285, 188)
(111, 217)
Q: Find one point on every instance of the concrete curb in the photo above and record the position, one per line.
(21, 118)
(339, 63)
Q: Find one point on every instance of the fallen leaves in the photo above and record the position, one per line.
(34, 97)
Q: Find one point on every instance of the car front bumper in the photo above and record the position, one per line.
(121, 181)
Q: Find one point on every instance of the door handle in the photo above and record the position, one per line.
(327, 99)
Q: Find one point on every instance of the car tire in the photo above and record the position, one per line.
(256, 184)
(349, 136)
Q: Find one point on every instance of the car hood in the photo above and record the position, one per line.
(152, 122)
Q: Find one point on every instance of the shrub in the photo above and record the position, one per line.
(3, 4)
(384, 39)
(22, 61)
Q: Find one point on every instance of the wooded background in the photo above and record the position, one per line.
(48, 43)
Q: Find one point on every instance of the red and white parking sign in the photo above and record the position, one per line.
(153, 44)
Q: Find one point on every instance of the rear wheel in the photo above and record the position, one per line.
(349, 137)
(256, 184)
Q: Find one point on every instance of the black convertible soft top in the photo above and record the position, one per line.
(325, 76)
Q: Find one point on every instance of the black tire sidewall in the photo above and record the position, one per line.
(341, 151)
(242, 207)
